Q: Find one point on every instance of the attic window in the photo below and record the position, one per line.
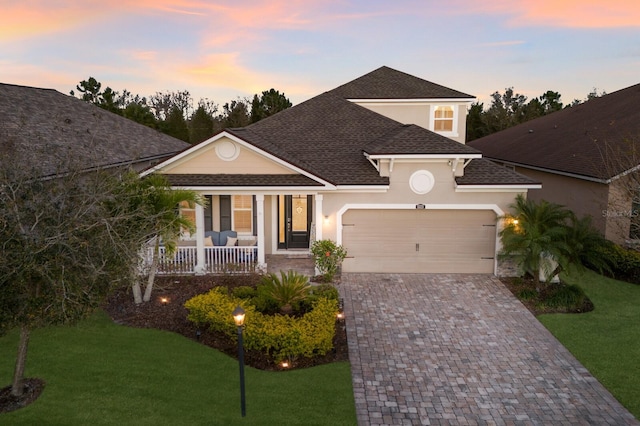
(443, 119)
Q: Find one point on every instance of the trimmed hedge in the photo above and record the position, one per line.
(625, 263)
(280, 336)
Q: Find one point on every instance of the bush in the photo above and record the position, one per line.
(328, 256)
(569, 297)
(279, 336)
(527, 294)
(327, 291)
(291, 288)
(625, 263)
(244, 292)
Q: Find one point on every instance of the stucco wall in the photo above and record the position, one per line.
(419, 113)
(208, 161)
(608, 205)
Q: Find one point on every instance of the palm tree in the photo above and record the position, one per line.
(534, 232)
(162, 202)
(585, 246)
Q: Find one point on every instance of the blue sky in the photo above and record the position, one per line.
(222, 50)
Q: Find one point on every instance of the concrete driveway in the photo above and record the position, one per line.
(451, 349)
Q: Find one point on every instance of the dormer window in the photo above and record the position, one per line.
(443, 119)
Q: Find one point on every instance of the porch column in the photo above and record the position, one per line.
(319, 216)
(261, 243)
(200, 259)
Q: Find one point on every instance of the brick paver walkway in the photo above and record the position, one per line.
(461, 350)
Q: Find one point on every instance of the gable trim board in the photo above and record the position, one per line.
(183, 156)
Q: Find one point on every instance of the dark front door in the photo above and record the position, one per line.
(294, 221)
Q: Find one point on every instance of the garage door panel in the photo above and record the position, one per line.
(419, 241)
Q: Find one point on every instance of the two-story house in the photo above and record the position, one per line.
(378, 165)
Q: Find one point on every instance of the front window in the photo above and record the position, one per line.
(242, 214)
(443, 119)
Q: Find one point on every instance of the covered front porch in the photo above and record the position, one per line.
(244, 233)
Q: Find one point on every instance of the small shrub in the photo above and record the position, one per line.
(290, 288)
(327, 291)
(244, 292)
(279, 336)
(328, 257)
(527, 294)
(569, 297)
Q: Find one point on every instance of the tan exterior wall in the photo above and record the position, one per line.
(400, 192)
(419, 113)
(619, 211)
(207, 161)
(584, 198)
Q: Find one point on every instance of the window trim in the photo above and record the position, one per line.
(432, 119)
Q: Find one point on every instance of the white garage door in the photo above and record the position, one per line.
(419, 241)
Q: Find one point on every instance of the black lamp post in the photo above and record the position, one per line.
(238, 317)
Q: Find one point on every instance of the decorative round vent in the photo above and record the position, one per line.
(421, 182)
(227, 150)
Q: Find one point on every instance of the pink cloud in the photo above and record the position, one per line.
(554, 13)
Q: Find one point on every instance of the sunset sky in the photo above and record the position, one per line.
(222, 50)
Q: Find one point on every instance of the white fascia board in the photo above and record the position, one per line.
(241, 142)
(409, 101)
(292, 190)
(496, 188)
(362, 188)
(423, 156)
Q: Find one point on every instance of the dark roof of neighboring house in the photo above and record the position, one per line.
(239, 180)
(328, 135)
(485, 172)
(591, 140)
(53, 131)
(387, 83)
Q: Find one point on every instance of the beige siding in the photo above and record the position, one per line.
(207, 161)
(419, 241)
(419, 113)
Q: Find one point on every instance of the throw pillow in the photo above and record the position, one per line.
(231, 241)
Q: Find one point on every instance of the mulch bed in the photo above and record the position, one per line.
(516, 285)
(172, 316)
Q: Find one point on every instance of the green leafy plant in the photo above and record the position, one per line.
(328, 257)
(289, 288)
(281, 337)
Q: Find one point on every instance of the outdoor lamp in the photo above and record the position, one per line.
(238, 317)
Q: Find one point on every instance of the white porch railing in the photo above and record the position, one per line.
(217, 260)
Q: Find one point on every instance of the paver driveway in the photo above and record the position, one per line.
(460, 349)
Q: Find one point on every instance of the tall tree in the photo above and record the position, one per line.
(175, 125)
(200, 125)
(66, 243)
(235, 114)
(270, 102)
(476, 127)
(163, 103)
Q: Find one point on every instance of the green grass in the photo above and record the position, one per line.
(607, 340)
(100, 373)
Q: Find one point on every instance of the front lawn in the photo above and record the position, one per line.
(606, 340)
(100, 373)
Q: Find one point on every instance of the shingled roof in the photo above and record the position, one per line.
(49, 130)
(575, 140)
(387, 83)
(328, 135)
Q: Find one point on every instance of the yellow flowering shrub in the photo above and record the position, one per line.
(280, 336)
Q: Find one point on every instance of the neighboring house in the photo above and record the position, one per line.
(378, 165)
(50, 132)
(584, 157)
